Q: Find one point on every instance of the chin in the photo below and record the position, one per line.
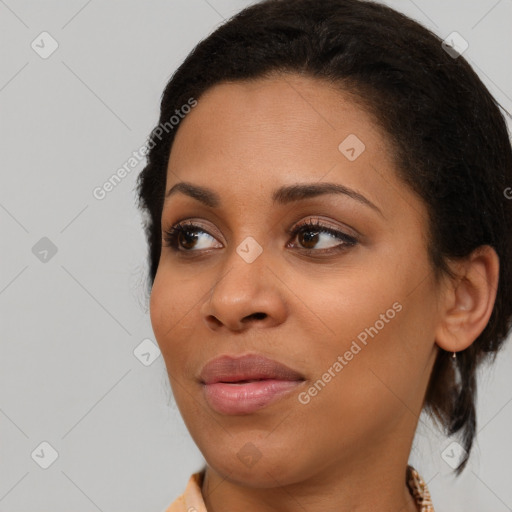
(261, 466)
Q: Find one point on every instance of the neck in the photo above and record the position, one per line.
(361, 486)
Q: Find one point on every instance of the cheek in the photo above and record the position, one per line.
(157, 305)
(369, 391)
(373, 363)
(170, 302)
(166, 313)
(174, 308)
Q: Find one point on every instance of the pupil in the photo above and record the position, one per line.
(309, 239)
(189, 235)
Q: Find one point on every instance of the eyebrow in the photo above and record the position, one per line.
(282, 196)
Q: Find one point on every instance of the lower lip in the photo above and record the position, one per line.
(232, 398)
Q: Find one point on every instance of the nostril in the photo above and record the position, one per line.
(257, 316)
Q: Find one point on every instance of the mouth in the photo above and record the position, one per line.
(243, 385)
(250, 367)
(243, 381)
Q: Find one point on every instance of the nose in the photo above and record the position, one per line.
(245, 294)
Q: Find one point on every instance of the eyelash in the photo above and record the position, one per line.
(171, 236)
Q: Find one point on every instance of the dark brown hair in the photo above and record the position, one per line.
(449, 138)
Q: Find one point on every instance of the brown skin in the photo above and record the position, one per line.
(347, 449)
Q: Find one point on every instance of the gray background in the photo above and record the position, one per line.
(70, 323)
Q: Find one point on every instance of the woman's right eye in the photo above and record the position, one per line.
(184, 237)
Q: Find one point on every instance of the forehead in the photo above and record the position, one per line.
(282, 111)
(279, 130)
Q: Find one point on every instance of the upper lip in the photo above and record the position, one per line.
(228, 368)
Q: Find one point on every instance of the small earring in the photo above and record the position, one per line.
(454, 355)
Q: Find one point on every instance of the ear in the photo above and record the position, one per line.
(469, 300)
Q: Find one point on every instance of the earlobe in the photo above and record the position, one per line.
(469, 300)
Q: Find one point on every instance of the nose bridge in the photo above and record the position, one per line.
(243, 271)
(250, 224)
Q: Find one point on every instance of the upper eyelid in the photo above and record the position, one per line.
(310, 223)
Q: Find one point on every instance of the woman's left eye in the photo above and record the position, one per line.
(311, 234)
(184, 237)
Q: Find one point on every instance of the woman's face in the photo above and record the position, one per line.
(353, 314)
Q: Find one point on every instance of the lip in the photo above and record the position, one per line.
(226, 392)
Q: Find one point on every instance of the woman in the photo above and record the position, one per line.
(329, 253)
